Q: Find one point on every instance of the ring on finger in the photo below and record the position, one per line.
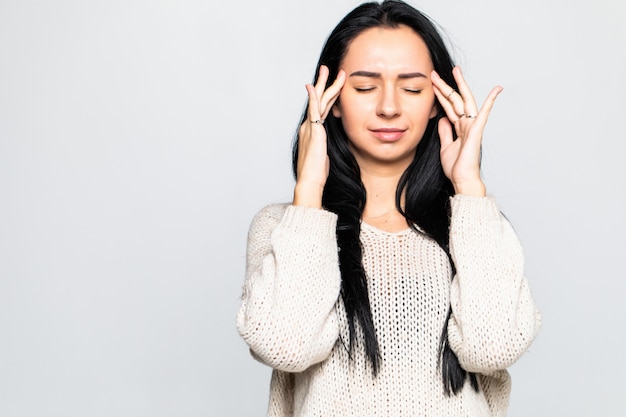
(451, 92)
(462, 115)
(471, 116)
(318, 121)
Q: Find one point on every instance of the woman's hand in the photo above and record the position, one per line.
(313, 163)
(460, 158)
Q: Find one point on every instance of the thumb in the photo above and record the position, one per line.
(445, 132)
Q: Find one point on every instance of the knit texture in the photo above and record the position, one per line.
(293, 319)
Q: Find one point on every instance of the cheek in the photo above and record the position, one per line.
(427, 108)
(343, 104)
(433, 111)
(345, 107)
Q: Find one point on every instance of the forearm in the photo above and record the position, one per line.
(287, 315)
(494, 318)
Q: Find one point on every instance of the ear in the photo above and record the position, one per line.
(336, 109)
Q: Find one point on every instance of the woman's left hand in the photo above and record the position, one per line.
(460, 158)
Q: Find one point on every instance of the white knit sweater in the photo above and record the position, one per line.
(293, 320)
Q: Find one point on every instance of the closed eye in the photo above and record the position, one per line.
(413, 90)
(364, 89)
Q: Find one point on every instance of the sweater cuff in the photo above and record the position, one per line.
(471, 213)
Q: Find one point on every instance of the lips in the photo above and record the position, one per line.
(388, 134)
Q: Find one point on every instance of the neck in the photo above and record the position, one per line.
(380, 205)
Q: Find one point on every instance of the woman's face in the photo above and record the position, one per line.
(388, 97)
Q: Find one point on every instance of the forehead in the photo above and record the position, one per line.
(391, 49)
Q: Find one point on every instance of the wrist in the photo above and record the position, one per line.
(308, 195)
(473, 188)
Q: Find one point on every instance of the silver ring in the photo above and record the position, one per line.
(469, 116)
(451, 92)
(318, 121)
(462, 115)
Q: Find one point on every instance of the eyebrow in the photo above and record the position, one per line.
(377, 74)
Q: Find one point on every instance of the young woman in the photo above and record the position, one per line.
(391, 285)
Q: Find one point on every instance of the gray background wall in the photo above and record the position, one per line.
(138, 138)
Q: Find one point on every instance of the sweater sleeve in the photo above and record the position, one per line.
(287, 315)
(494, 319)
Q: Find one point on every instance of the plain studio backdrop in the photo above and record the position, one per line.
(139, 137)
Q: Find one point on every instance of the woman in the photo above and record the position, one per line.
(392, 285)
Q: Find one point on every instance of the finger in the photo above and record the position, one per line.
(332, 93)
(489, 102)
(447, 105)
(469, 103)
(322, 78)
(314, 109)
(448, 94)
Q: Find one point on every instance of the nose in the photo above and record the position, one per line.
(388, 105)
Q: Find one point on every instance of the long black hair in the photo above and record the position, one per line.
(425, 188)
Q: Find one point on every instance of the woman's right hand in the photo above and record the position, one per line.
(313, 162)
